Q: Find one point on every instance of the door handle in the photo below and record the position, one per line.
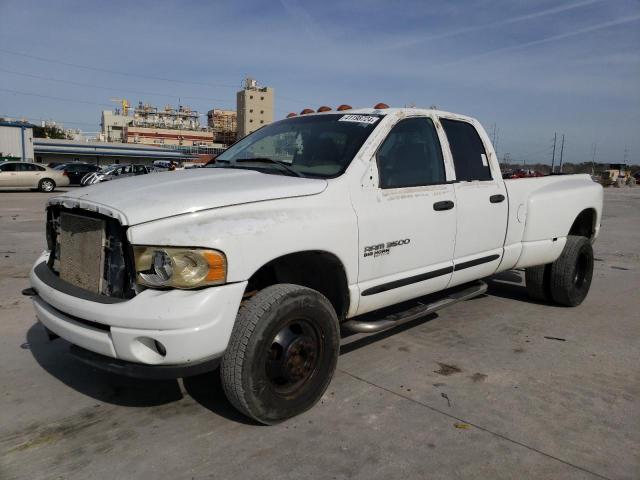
(496, 198)
(444, 205)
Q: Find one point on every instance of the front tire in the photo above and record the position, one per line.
(46, 185)
(571, 274)
(282, 353)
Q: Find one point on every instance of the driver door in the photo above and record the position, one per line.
(407, 221)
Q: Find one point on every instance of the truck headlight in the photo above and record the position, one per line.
(179, 267)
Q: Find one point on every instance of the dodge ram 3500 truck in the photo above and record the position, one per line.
(361, 219)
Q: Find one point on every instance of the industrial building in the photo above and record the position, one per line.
(166, 136)
(112, 125)
(175, 128)
(254, 106)
(16, 141)
(224, 124)
(181, 118)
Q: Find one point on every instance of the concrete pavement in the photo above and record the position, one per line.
(495, 387)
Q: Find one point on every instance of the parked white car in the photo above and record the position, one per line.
(31, 175)
(307, 224)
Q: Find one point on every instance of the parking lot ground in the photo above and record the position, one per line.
(495, 387)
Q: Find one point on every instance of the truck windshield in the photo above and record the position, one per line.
(320, 146)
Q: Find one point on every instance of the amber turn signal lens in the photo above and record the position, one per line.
(217, 266)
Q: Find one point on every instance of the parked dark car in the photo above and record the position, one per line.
(76, 171)
(114, 172)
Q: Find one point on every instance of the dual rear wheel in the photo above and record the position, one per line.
(567, 280)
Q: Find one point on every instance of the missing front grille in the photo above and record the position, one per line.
(109, 271)
(81, 244)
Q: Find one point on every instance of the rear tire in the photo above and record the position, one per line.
(46, 185)
(538, 283)
(282, 353)
(571, 274)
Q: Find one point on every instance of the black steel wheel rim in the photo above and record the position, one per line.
(293, 357)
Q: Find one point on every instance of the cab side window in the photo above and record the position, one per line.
(467, 149)
(411, 155)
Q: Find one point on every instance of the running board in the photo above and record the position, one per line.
(420, 310)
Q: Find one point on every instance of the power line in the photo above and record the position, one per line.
(113, 89)
(223, 103)
(105, 70)
(561, 152)
(40, 119)
(31, 94)
(129, 74)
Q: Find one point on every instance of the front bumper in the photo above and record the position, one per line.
(138, 370)
(156, 327)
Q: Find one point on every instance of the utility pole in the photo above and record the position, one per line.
(494, 138)
(561, 152)
(553, 157)
(593, 158)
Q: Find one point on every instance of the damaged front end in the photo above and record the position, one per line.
(90, 251)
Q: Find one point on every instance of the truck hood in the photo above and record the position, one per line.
(154, 196)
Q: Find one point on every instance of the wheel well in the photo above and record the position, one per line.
(584, 224)
(321, 271)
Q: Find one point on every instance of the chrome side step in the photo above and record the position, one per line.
(420, 310)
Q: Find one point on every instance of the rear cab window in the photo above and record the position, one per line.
(468, 152)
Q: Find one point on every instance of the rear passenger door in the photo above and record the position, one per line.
(481, 203)
(406, 219)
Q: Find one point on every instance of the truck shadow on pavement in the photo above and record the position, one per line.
(55, 359)
(511, 285)
(205, 389)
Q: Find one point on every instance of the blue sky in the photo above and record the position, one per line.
(530, 67)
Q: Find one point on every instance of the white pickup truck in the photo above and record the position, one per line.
(311, 223)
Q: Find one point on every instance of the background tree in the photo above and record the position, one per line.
(49, 131)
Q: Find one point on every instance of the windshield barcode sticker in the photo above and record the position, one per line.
(359, 119)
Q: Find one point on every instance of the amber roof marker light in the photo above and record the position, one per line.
(306, 111)
(343, 107)
(291, 115)
(324, 108)
(381, 106)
